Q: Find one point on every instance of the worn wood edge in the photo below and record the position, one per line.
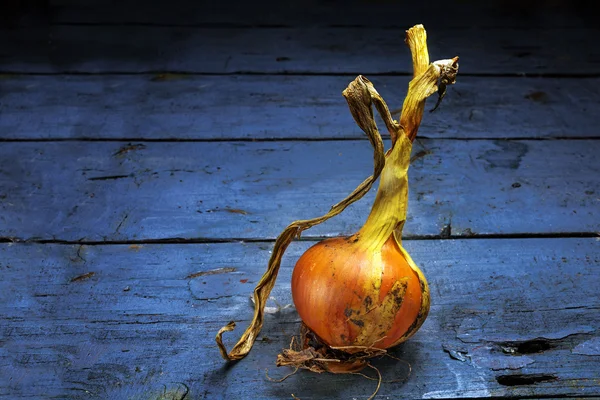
(153, 292)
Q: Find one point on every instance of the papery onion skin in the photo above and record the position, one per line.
(351, 295)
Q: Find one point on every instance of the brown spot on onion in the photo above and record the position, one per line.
(357, 322)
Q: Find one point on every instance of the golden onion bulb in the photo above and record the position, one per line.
(351, 295)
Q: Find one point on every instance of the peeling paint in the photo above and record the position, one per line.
(487, 357)
(588, 348)
(475, 386)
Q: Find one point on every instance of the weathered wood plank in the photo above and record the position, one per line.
(118, 191)
(135, 49)
(142, 323)
(439, 13)
(234, 107)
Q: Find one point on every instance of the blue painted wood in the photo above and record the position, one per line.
(138, 322)
(258, 107)
(135, 191)
(510, 318)
(135, 49)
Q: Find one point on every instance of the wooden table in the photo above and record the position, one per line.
(151, 153)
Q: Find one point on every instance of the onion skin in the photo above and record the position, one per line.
(351, 295)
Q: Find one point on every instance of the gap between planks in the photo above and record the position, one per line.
(283, 139)
(553, 235)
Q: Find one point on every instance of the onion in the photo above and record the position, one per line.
(362, 294)
(349, 295)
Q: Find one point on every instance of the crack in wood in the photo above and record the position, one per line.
(83, 277)
(207, 240)
(120, 322)
(446, 231)
(558, 309)
(209, 299)
(174, 394)
(224, 270)
(420, 154)
(281, 139)
(524, 379)
(78, 254)
(121, 223)
(109, 177)
(538, 345)
(128, 148)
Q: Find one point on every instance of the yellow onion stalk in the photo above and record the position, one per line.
(359, 295)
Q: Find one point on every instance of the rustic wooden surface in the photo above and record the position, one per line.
(126, 321)
(150, 154)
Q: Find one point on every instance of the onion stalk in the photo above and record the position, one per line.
(362, 294)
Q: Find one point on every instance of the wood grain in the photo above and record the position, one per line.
(281, 107)
(98, 191)
(141, 328)
(137, 49)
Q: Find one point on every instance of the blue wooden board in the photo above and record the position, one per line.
(273, 107)
(136, 49)
(511, 318)
(99, 191)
